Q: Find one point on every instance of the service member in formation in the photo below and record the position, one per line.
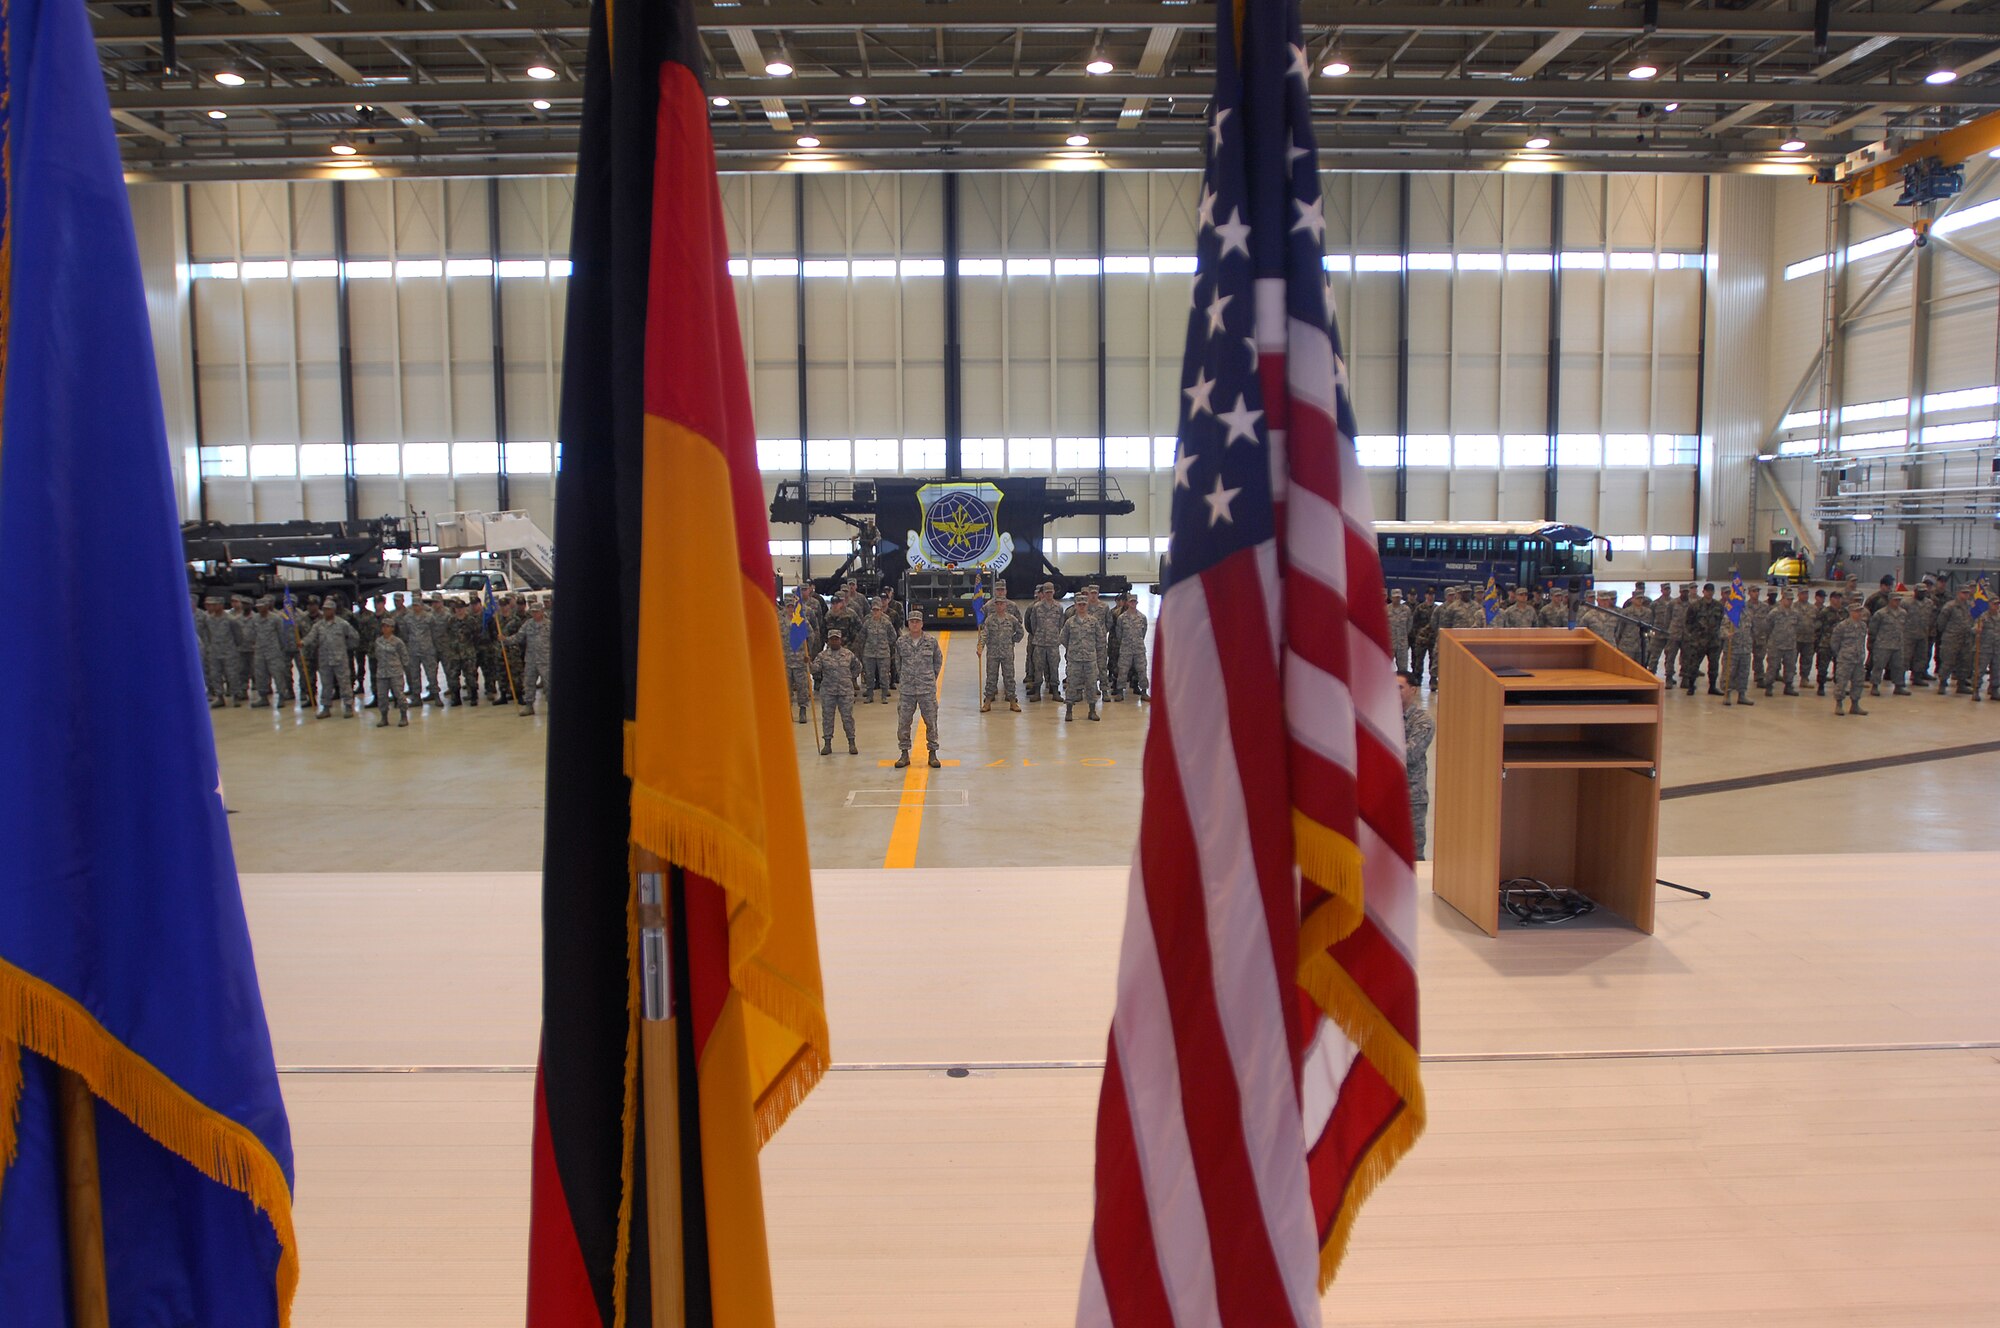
(1129, 631)
(838, 671)
(1045, 626)
(1400, 620)
(1555, 613)
(1676, 657)
(1704, 640)
(537, 637)
(1809, 615)
(1418, 730)
(918, 659)
(1520, 613)
(1662, 618)
(1079, 643)
(1850, 659)
(998, 636)
(1423, 636)
(1633, 637)
(1100, 613)
(333, 642)
(1786, 619)
(1885, 645)
(218, 641)
(878, 641)
(1956, 643)
(1739, 645)
(1597, 618)
(391, 658)
(797, 659)
(1757, 617)
(1917, 627)
(1832, 616)
(268, 673)
(1986, 657)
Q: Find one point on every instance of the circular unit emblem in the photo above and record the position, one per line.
(961, 527)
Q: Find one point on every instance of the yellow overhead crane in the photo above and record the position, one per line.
(1929, 169)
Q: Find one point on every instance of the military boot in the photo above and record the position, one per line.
(1093, 713)
(852, 750)
(1743, 699)
(260, 704)
(802, 714)
(1014, 706)
(1839, 705)
(1874, 689)
(826, 747)
(1791, 690)
(1900, 690)
(1856, 709)
(985, 707)
(403, 719)
(528, 709)
(383, 721)
(903, 761)
(321, 712)
(1713, 690)
(1728, 700)
(1768, 686)
(935, 763)
(1822, 688)
(347, 710)
(1069, 714)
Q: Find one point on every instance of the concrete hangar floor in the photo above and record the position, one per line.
(1784, 1107)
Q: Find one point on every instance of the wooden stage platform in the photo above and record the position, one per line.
(1784, 1108)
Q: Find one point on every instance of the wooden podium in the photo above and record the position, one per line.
(1548, 761)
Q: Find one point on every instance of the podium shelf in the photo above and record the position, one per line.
(1528, 716)
(1570, 756)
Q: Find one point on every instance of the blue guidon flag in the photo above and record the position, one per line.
(1262, 1076)
(1735, 599)
(125, 964)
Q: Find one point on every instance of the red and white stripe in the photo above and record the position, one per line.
(1234, 1111)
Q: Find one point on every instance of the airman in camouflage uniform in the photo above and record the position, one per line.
(1917, 626)
(1850, 658)
(332, 643)
(1739, 645)
(1401, 619)
(1886, 626)
(268, 672)
(1785, 621)
(1129, 631)
(1824, 621)
(1423, 637)
(1080, 662)
(245, 633)
(1632, 638)
(878, 641)
(798, 660)
(461, 655)
(1418, 730)
(1595, 619)
(391, 657)
(918, 659)
(1100, 614)
(1520, 613)
(419, 627)
(1986, 656)
(1662, 618)
(1704, 640)
(1956, 644)
(537, 638)
(998, 636)
(837, 671)
(1555, 613)
(1675, 656)
(218, 644)
(1045, 626)
(1809, 616)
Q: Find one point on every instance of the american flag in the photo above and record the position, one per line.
(1262, 1074)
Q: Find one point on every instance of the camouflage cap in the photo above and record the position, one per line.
(834, 633)
(914, 615)
(213, 599)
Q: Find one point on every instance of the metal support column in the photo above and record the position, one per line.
(1553, 408)
(1403, 348)
(1921, 275)
(954, 405)
(194, 351)
(1103, 413)
(799, 278)
(346, 339)
(499, 340)
(1700, 362)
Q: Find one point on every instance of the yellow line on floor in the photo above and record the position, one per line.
(910, 814)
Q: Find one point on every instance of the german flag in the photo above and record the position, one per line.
(669, 750)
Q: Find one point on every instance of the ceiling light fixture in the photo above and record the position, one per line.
(541, 73)
(1939, 77)
(1792, 145)
(780, 63)
(342, 148)
(1078, 140)
(1335, 67)
(1537, 143)
(718, 101)
(539, 104)
(857, 100)
(808, 141)
(230, 79)
(1642, 71)
(218, 115)
(1099, 62)
(1670, 107)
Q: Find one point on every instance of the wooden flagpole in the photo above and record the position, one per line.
(659, 1078)
(83, 1204)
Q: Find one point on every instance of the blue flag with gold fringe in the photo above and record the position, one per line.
(1981, 601)
(124, 953)
(1735, 599)
(1491, 600)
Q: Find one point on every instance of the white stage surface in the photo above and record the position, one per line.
(1784, 1108)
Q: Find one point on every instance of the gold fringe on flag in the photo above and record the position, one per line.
(54, 1026)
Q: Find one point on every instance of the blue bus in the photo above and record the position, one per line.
(1421, 554)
